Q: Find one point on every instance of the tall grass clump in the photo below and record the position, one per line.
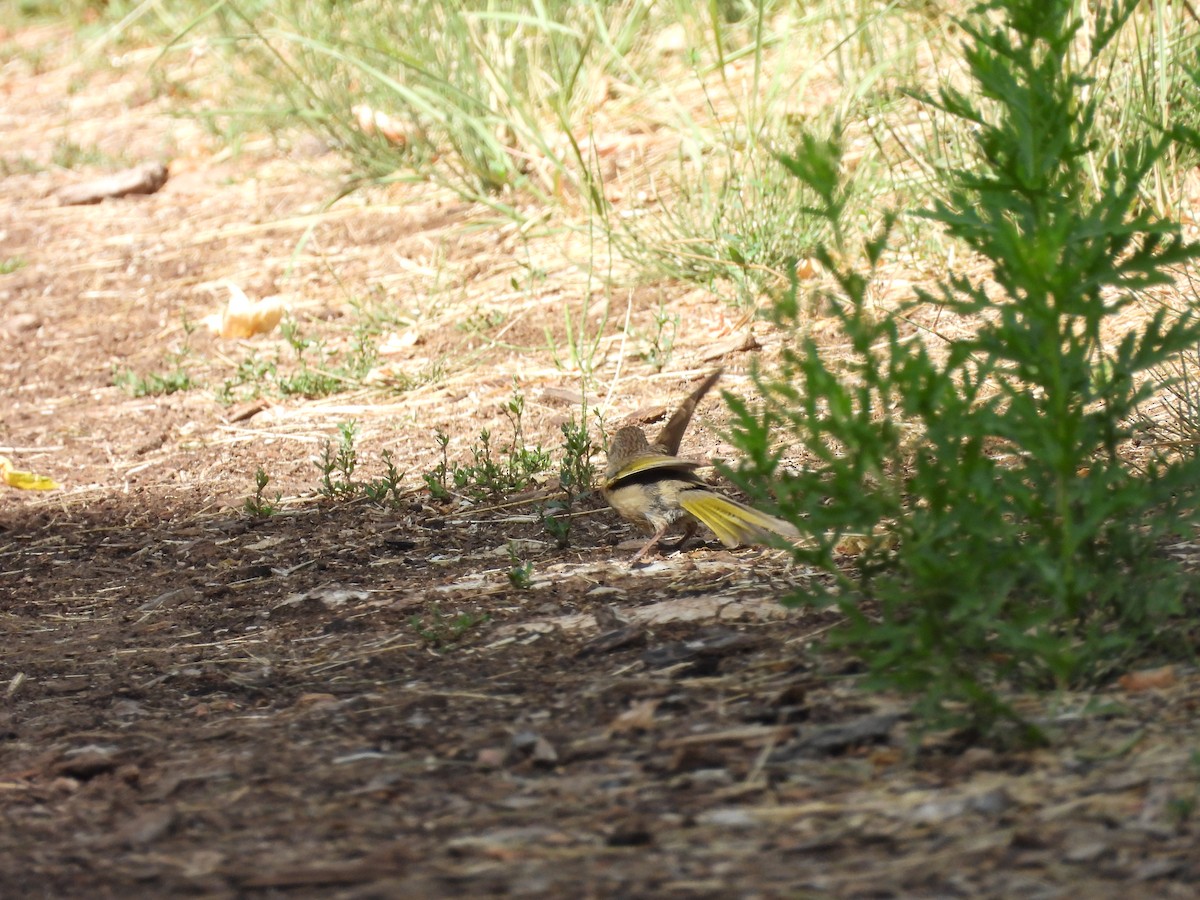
(482, 95)
(1148, 78)
(658, 120)
(1009, 541)
(726, 216)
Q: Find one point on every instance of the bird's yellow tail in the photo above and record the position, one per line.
(732, 522)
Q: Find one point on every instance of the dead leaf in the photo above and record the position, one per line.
(243, 317)
(705, 650)
(672, 39)
(315, 699)
(858, 544)
(556, 396)
(490, 758)
(873, 729)
(639, 717)
(19, 323)
(317, 875)
(248, 410)
(738, 343)
(644, 415)
(146, 178)
(398, 374)
(87, 762)
(616, 639)
(535, 747)
(1148, 680)
(374, 121)
(147, 827)
(396, 343)
(25, 481)
(634, 832)
(331, 596)
(806, 269)
(509, 842)
(544, 752)
(748, 734)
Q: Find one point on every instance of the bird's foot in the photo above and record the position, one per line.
(649, 545)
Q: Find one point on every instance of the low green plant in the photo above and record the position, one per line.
(1180, 382)
(69, 155)
(312, 370)
(659, 342)
(310, 378)
(520, 573)
(481, 321)
(477, 105)
(1182, 807)
(556, 519)
(11, 264)
(337, 464)
(258, 506)
(384, 490)
(438, 481)
(152, 384)
(176, 378)
(19, 165)
(1007, 540)
(440, 629)
(493, 472)
(576, 475)
(248, 380)
(376, 313)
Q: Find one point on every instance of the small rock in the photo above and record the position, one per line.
(21, 322)
(146, 828)
(535, 747)
(87, 762)
(490, 758)
(728, 818)
(992, 802)
(1087, 853)
(633, 833)
(544, 752)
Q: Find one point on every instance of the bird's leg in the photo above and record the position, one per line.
(650, 543)
(689, 532)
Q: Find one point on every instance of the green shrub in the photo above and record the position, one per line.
(1009, 542)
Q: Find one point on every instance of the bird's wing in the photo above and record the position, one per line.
(671, 436)
(653, 462)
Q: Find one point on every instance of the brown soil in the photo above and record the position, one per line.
(348, 700)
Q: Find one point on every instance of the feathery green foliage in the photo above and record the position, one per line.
(1009, 542)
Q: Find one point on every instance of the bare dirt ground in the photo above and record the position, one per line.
(347, 700)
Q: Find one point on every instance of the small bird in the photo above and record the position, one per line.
(651, 487)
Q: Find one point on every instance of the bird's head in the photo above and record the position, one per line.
(626, 443)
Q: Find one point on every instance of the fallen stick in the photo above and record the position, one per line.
(144, 179)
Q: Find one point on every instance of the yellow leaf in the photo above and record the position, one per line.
(243, 317)
(26, 481)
